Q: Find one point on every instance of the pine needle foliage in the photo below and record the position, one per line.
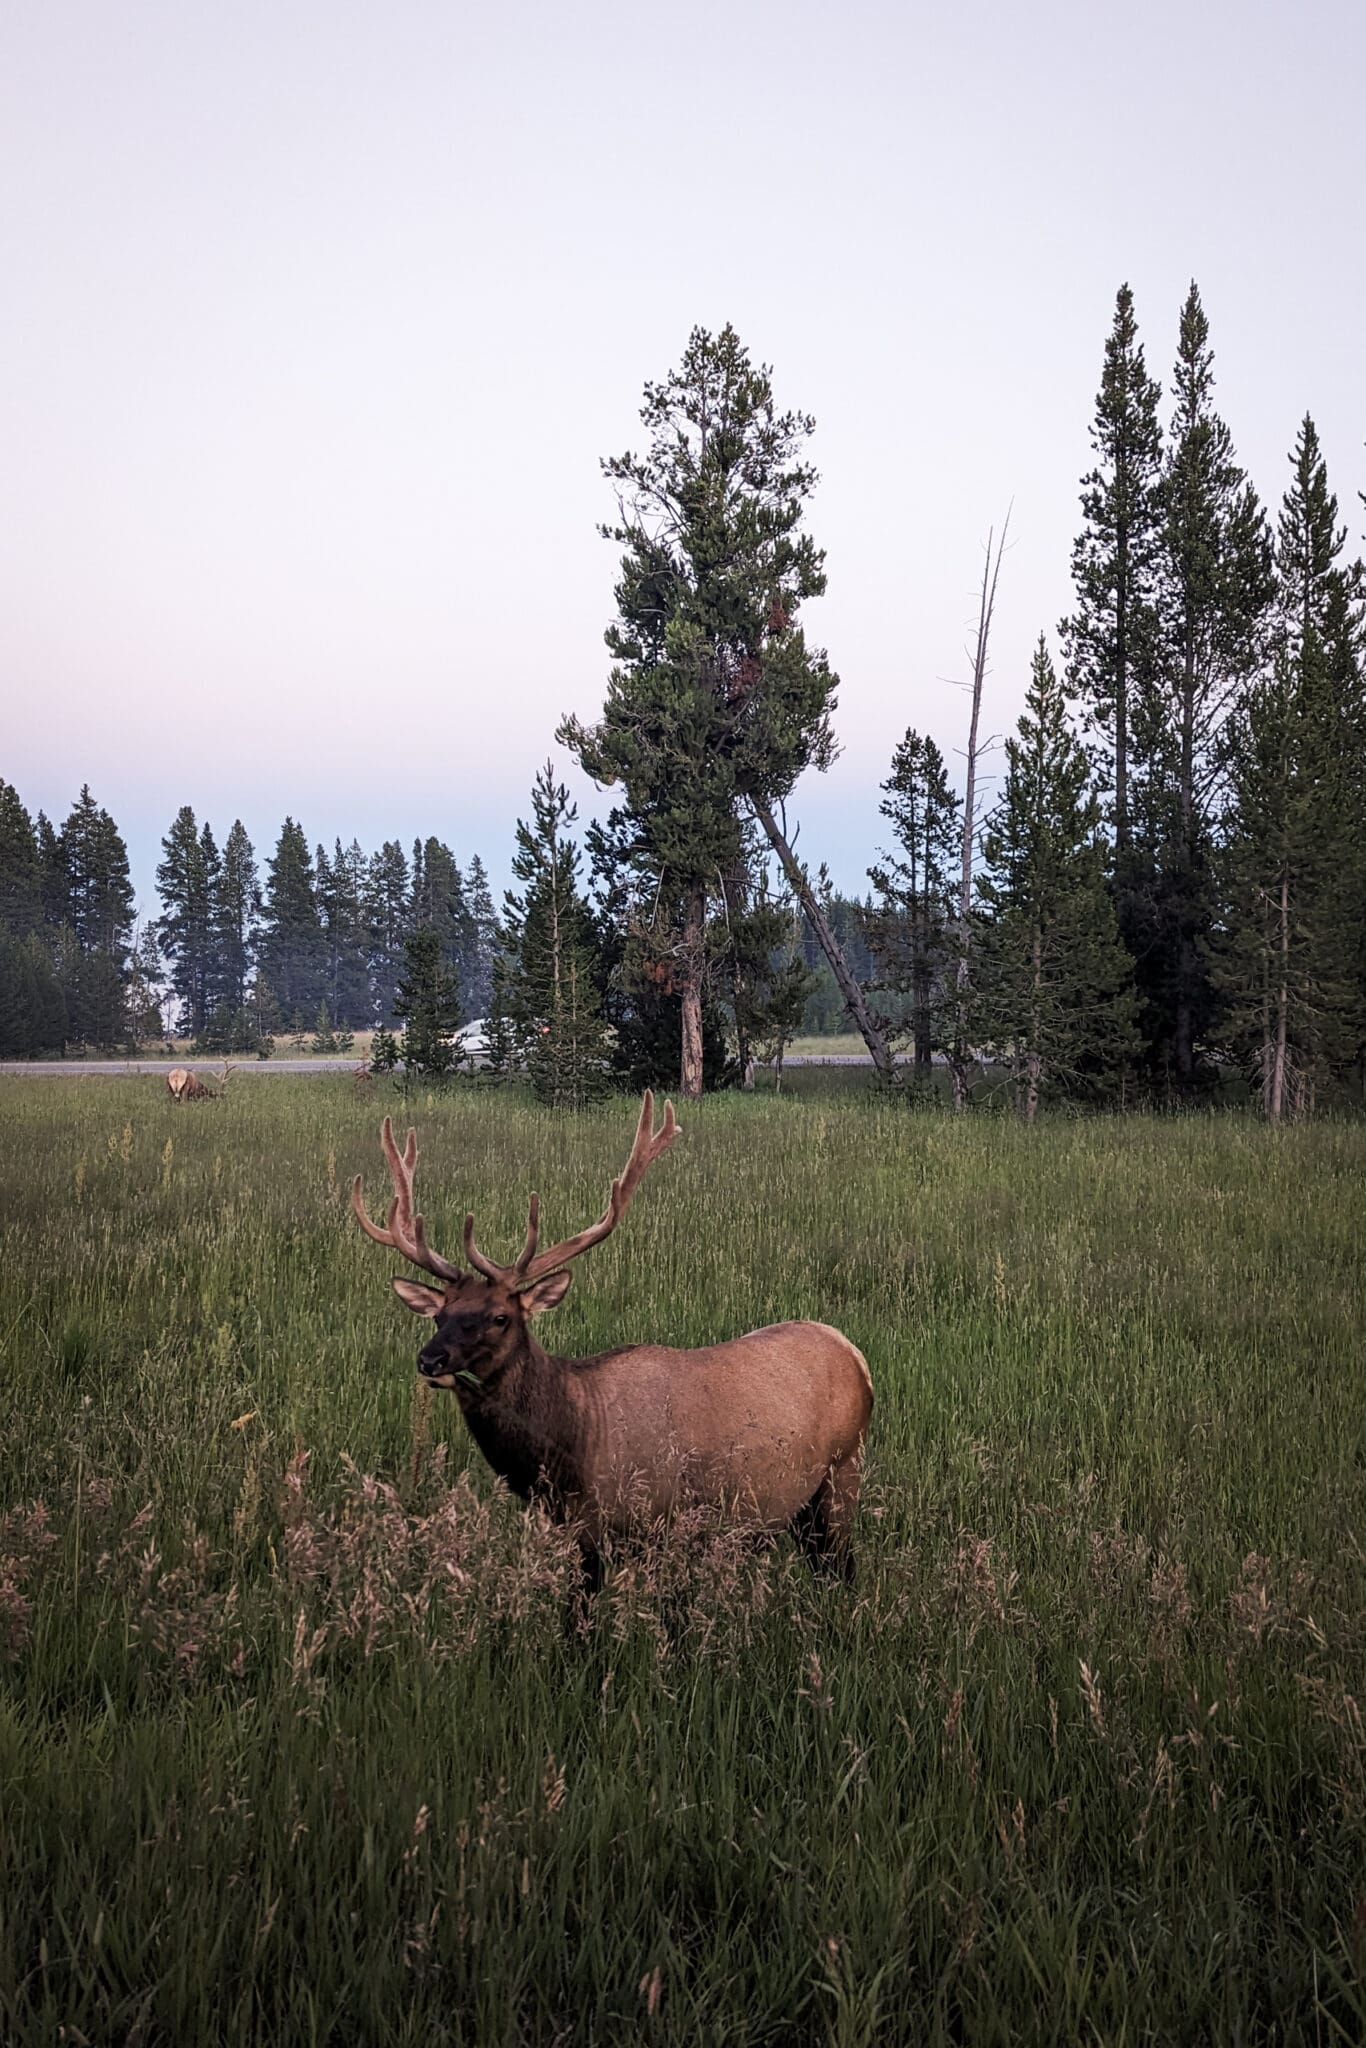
(548, 976)
(1053, 996)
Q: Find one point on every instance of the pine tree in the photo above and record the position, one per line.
(551, 986)
(1215, 594)
(428, 1001)
(21, 884)
(770, 980)
(484, 929)
(340, 890)
(910, 933)
(235, 916)
(143, 994)
(33, 1016)
(186, 930)
(52, 1021)
(1291, 946)
(18, 999)
(99, 891)
(638, 922)
(99, 916)
(292, 950)
(438, 901)
(387, 913)
(1110, 641)
(51, 873)
(1052, 993)
(714, 699)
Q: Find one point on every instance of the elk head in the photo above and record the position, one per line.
(482, 1312)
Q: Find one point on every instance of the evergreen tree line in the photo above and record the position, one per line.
(587, 990)
(320, 941)
(69, 968)
(1172, 879)
(318, 944)
(1169, 879)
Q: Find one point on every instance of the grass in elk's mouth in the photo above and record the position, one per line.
(295, 1743)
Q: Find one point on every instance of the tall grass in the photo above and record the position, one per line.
(295, 1744)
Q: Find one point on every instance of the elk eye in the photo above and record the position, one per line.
(499, 1321)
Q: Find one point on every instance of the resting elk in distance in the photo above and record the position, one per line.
(769, 1426)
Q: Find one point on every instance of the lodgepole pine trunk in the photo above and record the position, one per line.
(829, 944)
(694, 931)
(1277, 1106)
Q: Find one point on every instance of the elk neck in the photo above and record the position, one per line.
(526, 1421)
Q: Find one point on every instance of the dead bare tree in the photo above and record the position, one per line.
(854, 1001)
(960, 1055)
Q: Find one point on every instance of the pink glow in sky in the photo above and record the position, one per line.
(318, 319)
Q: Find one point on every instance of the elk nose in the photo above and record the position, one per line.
(431, 1358)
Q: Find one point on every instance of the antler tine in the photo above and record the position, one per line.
(433, 1261)
(533, 1231)
(405, 1232)
(517, 1270)
(401, 1165)
(370, 1229)
(477, 1259)
(645, 1149)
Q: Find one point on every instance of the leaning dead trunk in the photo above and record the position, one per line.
(960, 1062)
(829, 944)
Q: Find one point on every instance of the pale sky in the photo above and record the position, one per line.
(318, 319)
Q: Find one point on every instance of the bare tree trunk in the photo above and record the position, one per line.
(1276, 1108)
(694, 934)
(1184, 1023)
(829, 944)
(960, 1063)
(744, 1055)
(1033, 1062)
(1268, 1057)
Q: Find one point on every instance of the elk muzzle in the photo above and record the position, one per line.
(466, 1350)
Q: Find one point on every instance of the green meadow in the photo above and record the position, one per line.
(297, 1742)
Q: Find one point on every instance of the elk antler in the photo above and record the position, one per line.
(531, 1265)
(405, 1232)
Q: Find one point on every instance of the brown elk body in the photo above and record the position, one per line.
(769, 1427)
(186, 1086)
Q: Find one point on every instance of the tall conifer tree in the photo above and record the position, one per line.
(714, 696)
(1110, 641)
(292, 950)
(99, 916)
(21, 883)
(910, 930)
(187, 931)
(1052, 990)
(236, 914)
(1291, 939)
(388, 897)
(1216, 590)
(550, 986)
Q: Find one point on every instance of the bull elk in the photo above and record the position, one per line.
(186, 1086)
(769, 1426)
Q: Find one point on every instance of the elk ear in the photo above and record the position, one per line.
(423, 1301)
(547, 1293)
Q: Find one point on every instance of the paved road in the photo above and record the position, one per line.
(210, 1069)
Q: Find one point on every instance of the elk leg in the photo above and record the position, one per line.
(824, 1527)
(579, 1605)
